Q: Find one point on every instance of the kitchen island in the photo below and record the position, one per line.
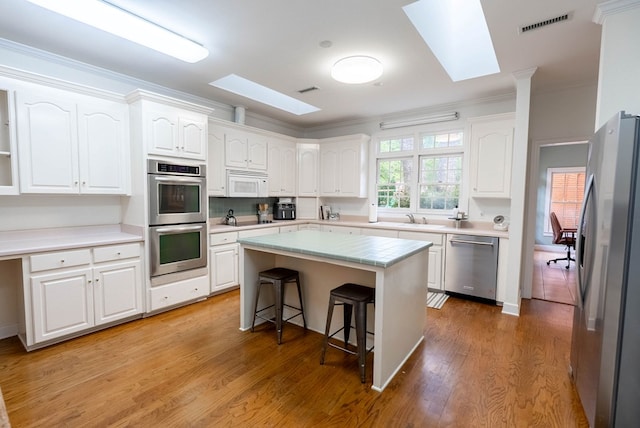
(397, 268)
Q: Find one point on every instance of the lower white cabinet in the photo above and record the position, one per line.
(163, 297)
(223, 261)
(75, 290)
(341, 229)
(435, 279)
(224, 267)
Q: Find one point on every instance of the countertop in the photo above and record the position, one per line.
(467, 228)
(13, 243)
(362, 249)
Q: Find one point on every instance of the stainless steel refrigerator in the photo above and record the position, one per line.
(605, 348)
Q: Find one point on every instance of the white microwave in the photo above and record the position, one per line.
(247, 184)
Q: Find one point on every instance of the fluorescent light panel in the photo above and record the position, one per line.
(357, 69)
(121, 23)
(456, 32)
(422, 120)
(252, 90)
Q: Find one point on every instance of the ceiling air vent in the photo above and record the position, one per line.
(544, 23)
(309, 89)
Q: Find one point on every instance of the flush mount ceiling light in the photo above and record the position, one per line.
(456, 32)
(356, 69)
(121, 23)
(252, 90)
(423, 120)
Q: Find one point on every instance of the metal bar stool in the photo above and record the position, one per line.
(278, 277)
(350, 296)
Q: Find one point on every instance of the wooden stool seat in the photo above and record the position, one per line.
(278, 277)
(350, 296)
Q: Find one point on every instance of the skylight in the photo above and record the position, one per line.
(248, 89)
(456, 32)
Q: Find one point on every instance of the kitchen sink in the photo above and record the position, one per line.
(420, 226)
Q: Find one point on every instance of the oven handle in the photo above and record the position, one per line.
(178, 179)
(178, 229)
(458, 241)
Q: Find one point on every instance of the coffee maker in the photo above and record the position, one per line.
(284, 209)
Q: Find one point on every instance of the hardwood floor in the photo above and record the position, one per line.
(553, 282)
(193, 367)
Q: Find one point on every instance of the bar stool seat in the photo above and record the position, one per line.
(350, 296)
(278, 277)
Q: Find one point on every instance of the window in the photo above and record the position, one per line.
(565, 190)
(426, 176)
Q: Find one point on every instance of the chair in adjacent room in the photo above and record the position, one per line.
(350, 296)
(562, 236)
(278, 277)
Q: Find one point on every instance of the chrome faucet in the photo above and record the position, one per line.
(411, 218)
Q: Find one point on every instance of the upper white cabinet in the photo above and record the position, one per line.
(343, 166)
(216, 172)
(491, 156)
(71, 143)
(308, 164)
(169, 127)
(282, 168)
(244, 149)
(8, 150)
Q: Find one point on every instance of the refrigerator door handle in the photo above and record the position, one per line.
(582, 291)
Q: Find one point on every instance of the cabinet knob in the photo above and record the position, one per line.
(118, 253)
(62, 261)
(89, 281)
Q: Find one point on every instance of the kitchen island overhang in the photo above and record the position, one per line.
(397, 268)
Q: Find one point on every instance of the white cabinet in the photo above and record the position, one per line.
(223, 261)
(308, 164)
(245, 150)
(216, 172)
(169, 127)
(8, 149)
(282, 168)
(386, 233)
(175, 132)
(435, 280)
(70, 143)
(343, 166)
(341, 229)
(491, 156)
(309, 226)
(75, 290)
(288, 229)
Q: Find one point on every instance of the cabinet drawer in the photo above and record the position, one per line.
(61, 259)
(341, 229)
(436, 238)
(287, 229)
(258, 232)
(223, 238)
(116, 252)
(178, 292)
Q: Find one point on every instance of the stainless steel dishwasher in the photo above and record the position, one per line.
(471, 265)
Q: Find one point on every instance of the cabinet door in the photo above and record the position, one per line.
(216, 172)
(235, 149)
(307, 170)
(162, 129)
(62, 303)
(192, 138)
(224, 267)
(117, 291)
(349, 170)
(102, 147)
(282, 168)
(329, 158)
(48, 150)
(434, 280)
(289, 168)
(257, 152)
(491, 153)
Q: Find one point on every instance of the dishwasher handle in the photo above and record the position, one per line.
(460, 241)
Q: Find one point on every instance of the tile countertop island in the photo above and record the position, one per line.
(397, 268)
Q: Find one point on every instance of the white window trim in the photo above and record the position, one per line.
(547, 230)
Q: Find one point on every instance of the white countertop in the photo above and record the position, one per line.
(13, 243)
(467, 228)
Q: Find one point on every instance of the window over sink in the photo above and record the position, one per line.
(419, 172)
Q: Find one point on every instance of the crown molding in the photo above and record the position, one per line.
(613, 7)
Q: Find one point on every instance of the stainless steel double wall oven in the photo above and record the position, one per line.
(177, 217)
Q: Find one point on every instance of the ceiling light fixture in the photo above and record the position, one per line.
(254, 91)
(121, 23)
(456, 32)
(422, 120)
(356, 69)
